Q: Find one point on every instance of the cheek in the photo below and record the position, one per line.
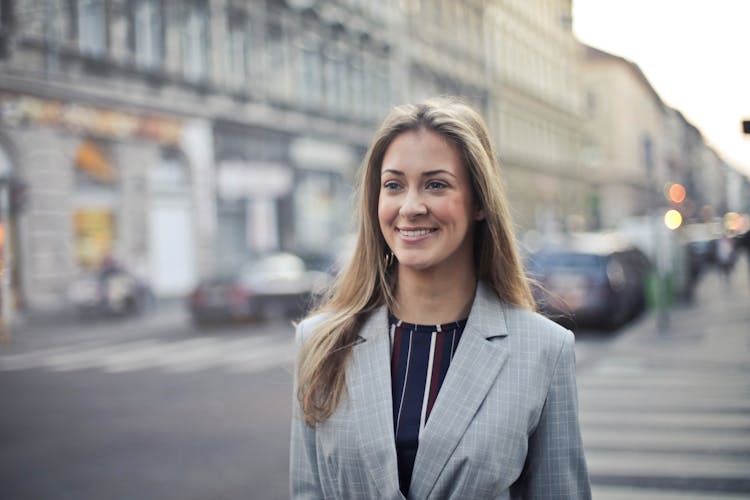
(457, 211)
(385, 211)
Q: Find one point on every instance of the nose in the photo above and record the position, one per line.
(413, 205)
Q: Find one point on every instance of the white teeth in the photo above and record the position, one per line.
(417, 232)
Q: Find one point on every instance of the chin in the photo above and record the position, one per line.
(414, 265)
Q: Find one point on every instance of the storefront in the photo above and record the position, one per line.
(102, 183)
(254, 183)
(9, 206)
(323, 209)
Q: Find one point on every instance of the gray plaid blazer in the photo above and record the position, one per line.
(504, 425)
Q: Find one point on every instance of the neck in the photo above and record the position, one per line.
(434, 298)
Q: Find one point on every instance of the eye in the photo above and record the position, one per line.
(436, 185)
(391, 185)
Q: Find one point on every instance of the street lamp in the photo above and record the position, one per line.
(672, 219)
(676, 193)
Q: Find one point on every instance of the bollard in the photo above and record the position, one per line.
(658, 297)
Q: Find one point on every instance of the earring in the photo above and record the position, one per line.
(389, 259)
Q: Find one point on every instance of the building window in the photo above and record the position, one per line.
(147, 33)
(195, 41)
(237, 48)
(357, 84)
(92, 27)
(5, 26)
(277, 47)
(311, 79)
(332, 79)
(647, 151)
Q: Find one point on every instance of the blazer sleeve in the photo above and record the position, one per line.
(555, 464)
(304, 480)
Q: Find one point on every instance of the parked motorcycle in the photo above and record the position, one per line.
(110, 291)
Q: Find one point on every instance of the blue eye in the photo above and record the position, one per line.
(436, 185)
(391, 185)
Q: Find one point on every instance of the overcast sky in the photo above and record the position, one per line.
(695, 53)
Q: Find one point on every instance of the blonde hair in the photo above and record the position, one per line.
(368, 282)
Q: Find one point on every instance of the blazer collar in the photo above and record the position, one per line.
(472, 372)
(369, 384)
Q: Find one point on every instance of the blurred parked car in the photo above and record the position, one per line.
(272, 285)
(110, 291)
(701, 243)
(596, 285)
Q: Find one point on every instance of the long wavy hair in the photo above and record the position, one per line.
(369, 279)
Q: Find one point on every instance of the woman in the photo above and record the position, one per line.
(426, 373)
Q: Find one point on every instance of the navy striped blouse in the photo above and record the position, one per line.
(420, 356)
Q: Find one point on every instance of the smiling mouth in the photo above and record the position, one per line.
(415, 232)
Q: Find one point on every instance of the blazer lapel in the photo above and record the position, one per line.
(472, 372)
(369, 383)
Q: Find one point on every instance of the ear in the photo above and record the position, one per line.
(479, 215)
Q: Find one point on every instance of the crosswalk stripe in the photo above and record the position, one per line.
(677, 382)
(657, 464)
(97, 358)
(283, 353)
(172, 356)
(648, 426)
(673, 440)
(267, 349)
(624, 493)
(636, 401)
(729, 421)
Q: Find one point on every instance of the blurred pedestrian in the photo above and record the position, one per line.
(426, 372)
(744, 243)
(724, 252)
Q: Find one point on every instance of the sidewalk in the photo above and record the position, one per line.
(718, 305)
(664, 414)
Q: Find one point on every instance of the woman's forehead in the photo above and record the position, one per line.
(421, 149)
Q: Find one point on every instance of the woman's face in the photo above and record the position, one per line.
(425, 207)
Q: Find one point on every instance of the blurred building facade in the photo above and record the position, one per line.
(183, 136)
(180, 137)
(626, 137)
(536, 111)
(517, 62)
(637, 146)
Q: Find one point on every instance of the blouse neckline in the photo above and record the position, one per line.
(393, 320)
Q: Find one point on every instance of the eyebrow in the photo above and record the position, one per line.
(424, 174)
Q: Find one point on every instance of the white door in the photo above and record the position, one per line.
(172, 269)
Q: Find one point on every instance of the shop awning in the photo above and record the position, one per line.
(91, 160)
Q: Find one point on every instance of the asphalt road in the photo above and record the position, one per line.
(148, 411)
(154, 409)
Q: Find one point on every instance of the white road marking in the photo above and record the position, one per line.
(244, 354)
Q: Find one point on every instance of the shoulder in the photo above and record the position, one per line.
(531, 329)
